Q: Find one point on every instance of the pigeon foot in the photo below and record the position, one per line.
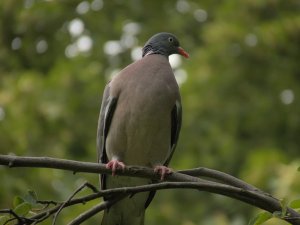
(163, 171)
(115, 164)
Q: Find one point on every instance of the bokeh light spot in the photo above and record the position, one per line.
(200, 15)
(136, 53)
(83, 7)
(96, 5)
(287, 96)
(76, 27)
(16, 43)
(41, 46)
(181, 76)
(112, 48)
(182, 6)
(2, 113)
(84, 43)
(251, 40)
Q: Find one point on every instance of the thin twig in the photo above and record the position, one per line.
(47, 202)
(21, 220)
(95, 209)
(86, 184)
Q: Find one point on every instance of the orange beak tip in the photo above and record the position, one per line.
(182, 52)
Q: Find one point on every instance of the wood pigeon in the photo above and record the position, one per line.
(139, 124)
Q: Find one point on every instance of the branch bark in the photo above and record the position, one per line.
(95, 209)
(223, 184)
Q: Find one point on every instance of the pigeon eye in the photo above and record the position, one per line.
(170, 39)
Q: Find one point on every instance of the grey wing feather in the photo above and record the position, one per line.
(176, 120)
(106, 113)
(100, 129)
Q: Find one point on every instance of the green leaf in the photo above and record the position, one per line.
(295, 204)
(284, 205)
(3, 219)
(31, 197)
(17, 201)
(260, 218)
(23, 209)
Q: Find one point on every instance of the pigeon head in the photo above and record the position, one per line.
(164, 44)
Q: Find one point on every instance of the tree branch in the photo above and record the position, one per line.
(219, 176)
(21, 220)
(97, 208)
(86, 184)
(229, 186)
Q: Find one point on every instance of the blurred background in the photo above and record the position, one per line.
(240, 93)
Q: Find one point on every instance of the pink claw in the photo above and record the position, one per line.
(114, 164)
(163, 171)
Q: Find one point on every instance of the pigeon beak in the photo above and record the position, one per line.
(182, 52)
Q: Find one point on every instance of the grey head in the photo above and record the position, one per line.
(164, 44)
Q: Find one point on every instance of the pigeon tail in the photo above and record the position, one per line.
(118, 215)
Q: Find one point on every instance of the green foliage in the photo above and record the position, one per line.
(295, 204)
(3, 219)
(17, 201)
(240, 94)
(22, 209)
(31, 197)
(23, 205)
(260, 218)
(284, 205)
